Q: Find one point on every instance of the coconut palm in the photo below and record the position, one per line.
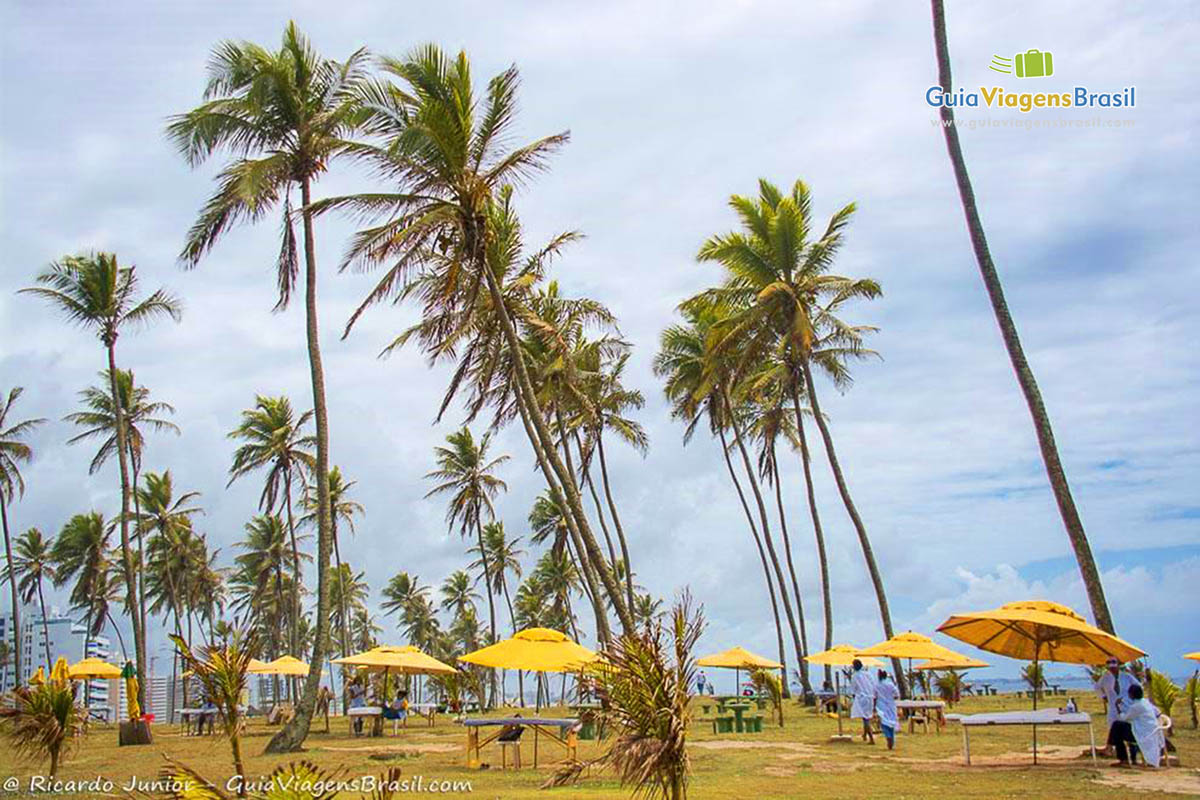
(465, 473)
(273, 438)
(96, 293)
(82, 557)
(505, 557)
(168, 519)
(262, 579)
(1055, 471)
(32, 567)
(282, 116)
(447, 151)
(348, 595)
(457, 594)
(781, 301)
(401, 592)
(13, 452)
(698, 390)
(342, 509)
(42, 722)
(99, 420)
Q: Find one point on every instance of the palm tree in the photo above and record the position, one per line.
(781, 300)
(465, 472)
(169, 519)
(42, 722)
(402, 592)
(1012, 342)
(505, 557)
(32, 567)
(447, 151)
(81, 554)
(457, 594)
(344, 509)
(6, 652)
(97, 294)
(13, 451)
(99, 420)
(274, 438)
(697, 391)
(283, 116)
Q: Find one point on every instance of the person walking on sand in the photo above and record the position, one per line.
(862, 686)
(885, 707)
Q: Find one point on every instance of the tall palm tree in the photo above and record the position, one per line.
(273, 437)
(282, 116)
(465, 473)
(168, 519)
(261, 581)
(342, 509)
(505, 557)
(98, 418)
(96, 293)
(1055, 472)
(447, 150)
(32, 567)
(13, 452)
(698, 390)
(781, 301)
(81, 554)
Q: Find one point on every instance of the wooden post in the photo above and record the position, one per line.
(967, 743)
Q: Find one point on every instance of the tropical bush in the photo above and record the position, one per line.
(43, 721)
(1161, 691)
(643, 692)
(1191, 695)
(1035, 676)
(949, 687)
(767, 683)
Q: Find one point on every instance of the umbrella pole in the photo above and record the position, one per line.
(1036, 681)
(837, 677)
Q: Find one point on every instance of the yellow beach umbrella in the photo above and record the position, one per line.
(738, 659)
(945, 663)
(912, 645)
(1193, 656)
(61, 673)
(94, 668)
(840, 655)
(536, 650)
(406, 660)
(257, 667)
(285, 665)
(39, 677)
(1038, 630)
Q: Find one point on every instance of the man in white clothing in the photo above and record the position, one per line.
(862, 686)
(1113, 686)
(885, 706)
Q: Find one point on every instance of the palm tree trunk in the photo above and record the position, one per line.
(87, 640)
(585, 470)
(546, 452)
(612, 507)
(487, 583)
(294, 633)
(295, 732)
(602, 631)
(766, 527)
(345, 621)
(132, 600)
(822, 558)
(12, 585)
(802, 667)
(1012, 343)
(45, 626)
(137, 514)
(762, 556)
(513, 621)
(864, 541)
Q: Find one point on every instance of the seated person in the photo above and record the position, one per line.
(829, 699)
(357, 695)
(1137, 725)
(398, 708)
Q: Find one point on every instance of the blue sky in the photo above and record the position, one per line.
(672, 108)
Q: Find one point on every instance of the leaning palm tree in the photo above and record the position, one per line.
(781, 301)
(447, 151)
(13, 452)
(273, 438)
(96, 293)
(1055, 472)
(33, 566)
(283, 116)
(465, 473)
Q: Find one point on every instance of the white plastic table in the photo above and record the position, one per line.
(1049, 716)
(372, 713)
(923, 705)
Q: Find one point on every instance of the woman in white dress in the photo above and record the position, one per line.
(885, 706)
(1138, 723)
(862, 686)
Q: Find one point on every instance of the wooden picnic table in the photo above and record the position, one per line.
(566, 736)
(936, 706)
(1047, 716)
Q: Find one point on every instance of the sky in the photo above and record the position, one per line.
(671, 109)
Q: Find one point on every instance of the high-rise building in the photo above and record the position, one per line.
(66, 637)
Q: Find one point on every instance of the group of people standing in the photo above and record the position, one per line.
(874, 696)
